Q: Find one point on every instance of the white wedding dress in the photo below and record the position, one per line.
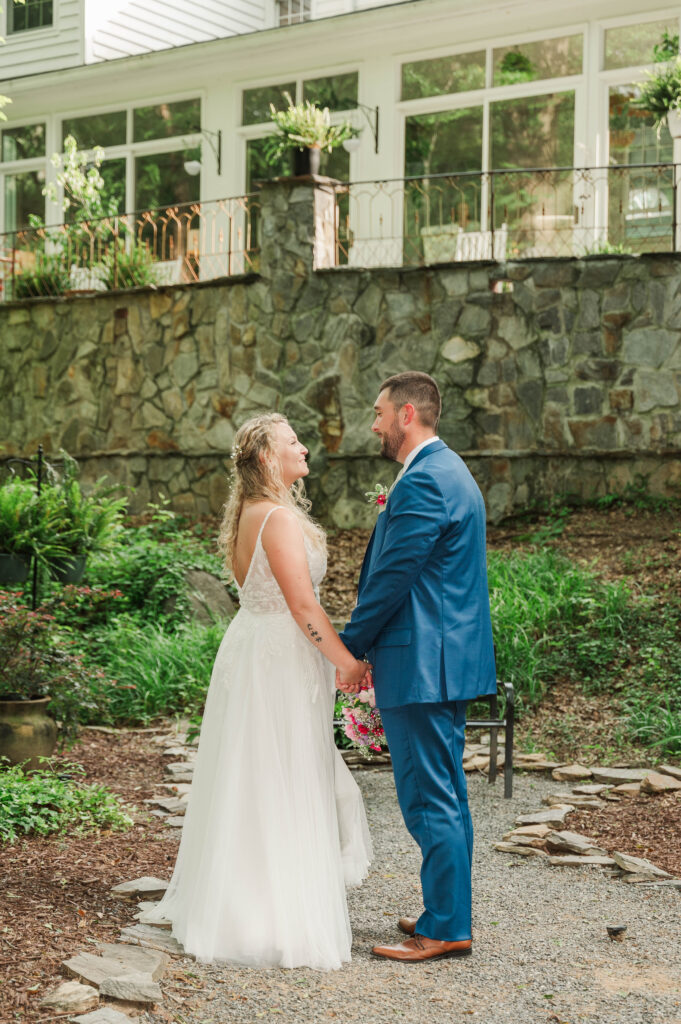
(275, 826)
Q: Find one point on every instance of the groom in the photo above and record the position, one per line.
(422, 619)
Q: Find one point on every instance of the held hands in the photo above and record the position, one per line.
(352, 679)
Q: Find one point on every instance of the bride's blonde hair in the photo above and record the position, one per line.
(255, 477)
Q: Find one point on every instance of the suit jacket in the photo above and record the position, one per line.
(422, 616)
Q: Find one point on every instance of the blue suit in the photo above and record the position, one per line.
(422, 619)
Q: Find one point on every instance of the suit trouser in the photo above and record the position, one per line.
(426, 745)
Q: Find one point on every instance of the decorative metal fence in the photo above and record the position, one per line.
(172, 245)
(508, 214)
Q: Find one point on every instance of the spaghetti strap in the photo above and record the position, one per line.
(263, 523)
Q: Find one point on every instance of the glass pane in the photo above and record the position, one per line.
(535, 131)
(31, 14)
(96, 129)
(437, 209)
(640, 202)
(23, 143)
(545, 58)
(632, 45)
(113, 172)
(163, 185)
(535, 210)
(256, 102)
(337, 92)
(166, 119)
(23, 197)
(443, 75)
(161, 180)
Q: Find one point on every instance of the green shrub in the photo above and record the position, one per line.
(552, 618)
(148, 566)
(46, 801)
(150, 670)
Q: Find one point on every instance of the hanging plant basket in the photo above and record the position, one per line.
(69, 570)
(27, 733)
(14, 568)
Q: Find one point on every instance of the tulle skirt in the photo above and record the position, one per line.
(275, 826)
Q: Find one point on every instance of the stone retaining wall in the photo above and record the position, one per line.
(557, 375)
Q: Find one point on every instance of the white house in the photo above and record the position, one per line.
(532, 88)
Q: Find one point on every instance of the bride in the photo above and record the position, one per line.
(275, 826)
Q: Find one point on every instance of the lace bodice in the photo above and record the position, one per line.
(260, 592)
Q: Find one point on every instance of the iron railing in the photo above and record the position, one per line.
(508, 214)
(170, 245)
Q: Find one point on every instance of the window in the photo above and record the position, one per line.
(23, 143)
(256, 102)
(291, 12)
(23, 198)
(640, 199)
(166, 120)
(337, 92)
(97, 129)
(21, 17)
(443, 75)
(545, 58)
(633, 45)
(23, 187)
(449, 142)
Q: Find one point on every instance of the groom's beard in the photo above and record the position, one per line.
(392, 442)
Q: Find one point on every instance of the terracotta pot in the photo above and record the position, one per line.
(26, 731)
(69, 570)
(13, 569)
(306, 161)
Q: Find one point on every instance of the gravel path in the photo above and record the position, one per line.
(541, 953)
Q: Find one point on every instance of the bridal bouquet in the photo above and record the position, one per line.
(363, 725)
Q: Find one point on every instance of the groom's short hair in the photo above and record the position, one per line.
(420, 390)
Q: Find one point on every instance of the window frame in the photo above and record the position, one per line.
(23, 33)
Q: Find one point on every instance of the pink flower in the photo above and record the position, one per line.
(381, 499)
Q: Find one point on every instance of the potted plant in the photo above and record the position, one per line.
(305, 129)
(85, 522)
(40, 681)
(29, 528)
(660, 95)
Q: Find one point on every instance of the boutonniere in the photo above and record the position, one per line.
(378, 496)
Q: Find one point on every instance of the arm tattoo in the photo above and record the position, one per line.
(314, 634)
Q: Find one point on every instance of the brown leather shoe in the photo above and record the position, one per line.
(407, 925)
(420, 948)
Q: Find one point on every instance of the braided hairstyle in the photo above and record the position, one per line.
(256, 476)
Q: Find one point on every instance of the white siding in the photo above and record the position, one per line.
(140, 26)
(45, 49)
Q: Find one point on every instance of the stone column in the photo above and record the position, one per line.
(298, 225)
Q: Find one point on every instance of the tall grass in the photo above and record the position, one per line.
(152, 670)
(553, 619)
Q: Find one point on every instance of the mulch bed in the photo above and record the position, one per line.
(56, 897)
(643, 826)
